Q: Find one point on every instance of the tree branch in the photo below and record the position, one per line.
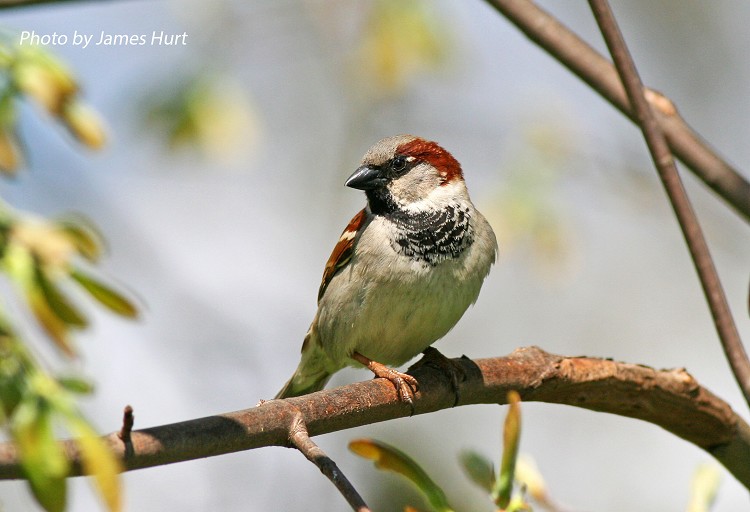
(8, 4)
(671, 399)
(591, 67)
(301, 440)
(670, 178)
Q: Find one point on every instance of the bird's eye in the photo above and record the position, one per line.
(398, 164)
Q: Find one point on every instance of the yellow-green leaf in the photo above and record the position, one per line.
(479, 469)
(57, 302)
(76, 385)
(10, 152)
(511, 441)
(98, 462)
(41, 76)
(20, 265)
(56, 328)
(86, 239)
(105, 295)
(389, 458)
(42, 458)
(84, 123)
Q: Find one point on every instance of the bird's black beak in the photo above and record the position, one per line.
(367, 177)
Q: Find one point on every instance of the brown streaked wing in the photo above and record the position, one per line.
(343, 251)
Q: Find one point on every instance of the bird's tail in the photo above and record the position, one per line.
(312, 373)
(300, 385)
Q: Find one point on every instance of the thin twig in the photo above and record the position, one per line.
(667, 169)
(127, 424)
(591, 67)
(126, 430)
(301, 440)
(671, 399)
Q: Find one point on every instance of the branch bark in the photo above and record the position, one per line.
(591, 67)
(671, 399)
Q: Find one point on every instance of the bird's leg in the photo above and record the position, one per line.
(453, 370)
(405, 384)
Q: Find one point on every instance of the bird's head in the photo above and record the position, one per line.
(403, 171)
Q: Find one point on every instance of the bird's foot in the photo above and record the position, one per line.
(405, 384)
(453, 370)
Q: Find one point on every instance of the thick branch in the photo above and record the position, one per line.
(671, 399)
(591, 67)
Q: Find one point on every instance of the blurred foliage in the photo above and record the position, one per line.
(399, 41)
(32, 404)
(44, 259)
(532, 481)
(481, 471)
(208, 114)
(387, 457)
(525, 212)
(704, 487)
(506, 489)
(31, 72)
(503, 488)
(40, 257)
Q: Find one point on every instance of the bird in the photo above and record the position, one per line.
(404, 270)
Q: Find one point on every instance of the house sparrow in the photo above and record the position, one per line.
(404, 271)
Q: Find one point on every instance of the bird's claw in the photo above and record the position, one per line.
(406, 385)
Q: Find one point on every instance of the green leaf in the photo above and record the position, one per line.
(84, 236)
(11, 385)
(57, 302)
(19, 265)
(76, 385)
(14, 371)
(105, 295)
(98, 461)
(387, 457)
(479, 469)
(511, 440)
(56, 328)
(42, 457)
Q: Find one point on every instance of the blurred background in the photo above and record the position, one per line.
(221, 195)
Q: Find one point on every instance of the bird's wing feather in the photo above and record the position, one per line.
(343, 251)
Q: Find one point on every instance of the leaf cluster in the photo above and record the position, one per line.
(49, 261)
(506, 489)
(29, 72)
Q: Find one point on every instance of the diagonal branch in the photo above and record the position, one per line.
(671, 399)
(591, 67)
(667, 169)
(299, 437)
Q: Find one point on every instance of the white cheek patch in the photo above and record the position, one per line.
(414, 186)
